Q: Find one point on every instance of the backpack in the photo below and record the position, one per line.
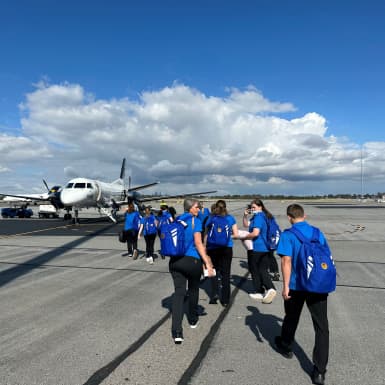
(172, 238)
(219, 231)
(315, 269)
(136, 222)
(149, 225)
(273, 233)
(163, 220)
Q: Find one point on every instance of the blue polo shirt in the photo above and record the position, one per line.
(193, 226)
(289, 245)
(259, 221)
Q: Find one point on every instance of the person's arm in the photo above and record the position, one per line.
(246, 222)
(286, 272)
(234, 230)
(254, 234)
(202, 252)
(140, 230)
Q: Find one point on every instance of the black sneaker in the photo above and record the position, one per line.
(275, 277)
(178, 338)
(282, 348)
(214, 300)
(317, 377)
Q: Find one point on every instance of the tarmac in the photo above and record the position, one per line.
(75, 310)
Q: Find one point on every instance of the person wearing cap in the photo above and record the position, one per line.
(148, 227)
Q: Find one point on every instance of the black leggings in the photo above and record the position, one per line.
(258, 265)
(132, 240)
(185, 270)
(150, 240)
(221, 258)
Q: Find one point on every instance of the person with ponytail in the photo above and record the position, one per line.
(258, 257)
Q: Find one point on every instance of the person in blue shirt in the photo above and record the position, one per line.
(163, 217)
(131, 228)
(258, 258)
(294, 299)
(187, 270)
(221, 256)
(203, 215)
(148, 227)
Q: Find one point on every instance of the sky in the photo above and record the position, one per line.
(242, 97)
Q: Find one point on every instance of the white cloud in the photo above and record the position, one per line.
(188, 140)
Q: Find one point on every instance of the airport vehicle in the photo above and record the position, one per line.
(48, 211)
(19, 212)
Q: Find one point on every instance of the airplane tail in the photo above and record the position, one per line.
(122, 173)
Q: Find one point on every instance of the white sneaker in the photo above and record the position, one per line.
(256, 296)
(270, 295)
(150, 260)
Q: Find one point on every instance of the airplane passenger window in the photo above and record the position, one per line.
(69, 185)
(80, 185)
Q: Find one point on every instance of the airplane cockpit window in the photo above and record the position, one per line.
(80, 185)
(89, 185)
(69, 185)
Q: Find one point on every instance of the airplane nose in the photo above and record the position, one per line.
(66, 198)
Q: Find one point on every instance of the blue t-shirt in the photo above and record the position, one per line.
(151, 227)
(231, 221)
(259, 221)
(289, 245)
(193, 226)
(130, 220)
(203, 214)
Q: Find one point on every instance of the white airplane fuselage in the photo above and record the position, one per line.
(83, 192)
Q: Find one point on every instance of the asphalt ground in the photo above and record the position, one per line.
(75, 311)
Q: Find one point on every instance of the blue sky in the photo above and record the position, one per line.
(294, 57)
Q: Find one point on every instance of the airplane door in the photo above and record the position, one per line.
(98, 192)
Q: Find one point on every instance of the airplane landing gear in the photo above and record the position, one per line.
(75, 220)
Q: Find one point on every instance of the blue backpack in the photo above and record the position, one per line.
(149, 225)
(273, 233)
(315, 270)
(136, 222)
(219, 231)
(172, 238)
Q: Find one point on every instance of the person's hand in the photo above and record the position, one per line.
(210, 271)
(285, 293)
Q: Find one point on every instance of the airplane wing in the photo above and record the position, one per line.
(36, 197)
(158, 198)
(142, 186)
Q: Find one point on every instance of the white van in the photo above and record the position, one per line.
(48, 211)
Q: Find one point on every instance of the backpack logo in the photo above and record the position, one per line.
(315, 267)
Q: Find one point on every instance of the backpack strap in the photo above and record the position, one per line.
(314, 238)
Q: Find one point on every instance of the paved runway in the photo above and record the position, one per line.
(75, 311)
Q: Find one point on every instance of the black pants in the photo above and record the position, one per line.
(150, 240)
(132, 240)
(258, 264)
(185, 270)
(317, 305)
(221, 258)
(273, 265)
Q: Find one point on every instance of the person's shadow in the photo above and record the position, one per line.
(267, 327)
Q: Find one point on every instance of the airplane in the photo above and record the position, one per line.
(81, 193)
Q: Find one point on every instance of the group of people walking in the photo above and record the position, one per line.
(208, 241)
